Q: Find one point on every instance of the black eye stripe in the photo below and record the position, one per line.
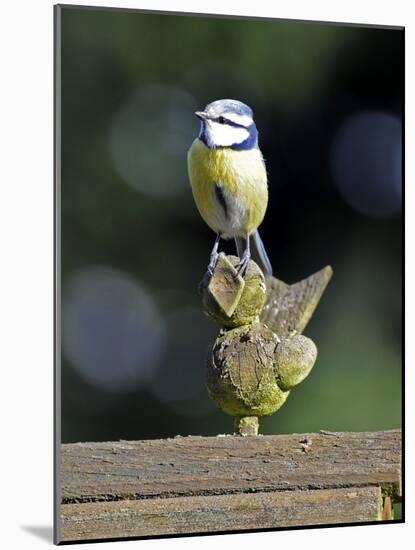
(223, 120)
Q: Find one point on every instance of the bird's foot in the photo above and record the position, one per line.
(212, 263)
(243, 264)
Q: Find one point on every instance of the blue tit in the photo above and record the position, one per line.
(229, 180)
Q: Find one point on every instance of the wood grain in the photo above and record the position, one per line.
(192, 466)
(289, 308)
(226, 483)
(137, 518)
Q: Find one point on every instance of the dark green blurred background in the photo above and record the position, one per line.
(327, 101)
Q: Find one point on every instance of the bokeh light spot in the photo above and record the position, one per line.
(112, 333)
(149, 138)
(366, 163)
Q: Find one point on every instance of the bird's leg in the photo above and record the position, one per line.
(245, 259)
(214, 255)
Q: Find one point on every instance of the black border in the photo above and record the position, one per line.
(57, 11)
(403, 307)
(57, 127)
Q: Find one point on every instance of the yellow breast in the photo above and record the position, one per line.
(243, 180)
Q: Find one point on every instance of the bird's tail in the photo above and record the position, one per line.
(258, 253)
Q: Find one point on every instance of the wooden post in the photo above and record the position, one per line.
(387, 509)
(246, 425)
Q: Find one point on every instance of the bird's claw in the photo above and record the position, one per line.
(243, 264)
(212, 263)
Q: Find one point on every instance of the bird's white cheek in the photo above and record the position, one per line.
(224, 135)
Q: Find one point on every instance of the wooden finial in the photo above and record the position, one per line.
(260, 354)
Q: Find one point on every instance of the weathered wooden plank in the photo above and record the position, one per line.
(192, 466)
(136, 518)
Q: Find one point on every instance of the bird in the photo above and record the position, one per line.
(228, 179)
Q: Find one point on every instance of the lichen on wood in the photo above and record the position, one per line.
(260, 354)
(240, 374)
(246, 425)
(231, 300)
(293, 360)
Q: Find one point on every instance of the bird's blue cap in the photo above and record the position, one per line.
(228, 106)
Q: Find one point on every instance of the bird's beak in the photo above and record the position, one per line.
(201, 114)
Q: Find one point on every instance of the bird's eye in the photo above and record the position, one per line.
(221, 120)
